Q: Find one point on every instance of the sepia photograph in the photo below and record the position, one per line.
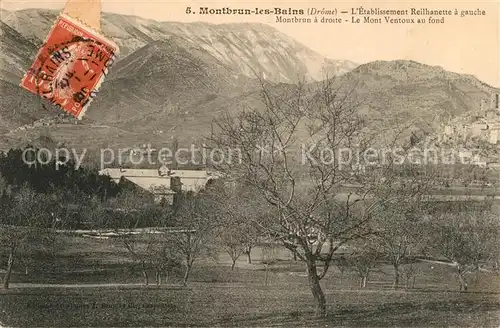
(249, 163)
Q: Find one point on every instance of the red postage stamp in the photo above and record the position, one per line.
(70, 66)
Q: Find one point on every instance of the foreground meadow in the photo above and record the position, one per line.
(92, 284)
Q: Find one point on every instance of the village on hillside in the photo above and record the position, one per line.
(477, 134)
(481, 125)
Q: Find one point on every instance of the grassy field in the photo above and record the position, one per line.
(217, 296)
(242, 305)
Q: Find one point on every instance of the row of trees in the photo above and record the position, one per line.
(40, 199)
(468, 241)
(280, 193)
(198, 226)
(227, 219)
(174, 235)
(297, 157)
(46, 176)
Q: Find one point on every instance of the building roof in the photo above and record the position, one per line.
(151, 180)
(116, 173)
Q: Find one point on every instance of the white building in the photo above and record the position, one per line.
(494, 135)
(159, 182)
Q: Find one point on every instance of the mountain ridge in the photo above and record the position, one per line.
(262, 47)
(178, 77)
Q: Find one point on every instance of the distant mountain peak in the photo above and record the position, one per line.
(398, 64)
(402, 70)
(246, 47)
(177, 77)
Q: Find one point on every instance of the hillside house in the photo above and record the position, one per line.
(494, 135)
(163, 183)
(484, 126)
(448, 130)
(495, 101)
(478, 128)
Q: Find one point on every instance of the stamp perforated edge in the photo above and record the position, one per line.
(39, 52)
(98, 35)
(90, 30)
(101, 38)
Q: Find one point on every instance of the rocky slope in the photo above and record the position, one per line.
(173, 79)
(16, 53)
(405, 92)
(247, 48)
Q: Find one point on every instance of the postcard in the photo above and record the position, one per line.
(249, 163)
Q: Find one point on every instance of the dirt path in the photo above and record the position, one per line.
(30, 285)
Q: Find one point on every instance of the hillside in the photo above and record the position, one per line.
(157, 104)
(396, 95)
(405, 92)
(16, 54)
(165, 69)
(19, 107)
(167, 80)
(178, 77)
(247, 48)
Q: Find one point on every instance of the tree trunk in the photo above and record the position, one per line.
(463, 282)
(10, 264)
(364, 281)
(395, 283)
(233, 264)
(316, 290)
(186, 273)
(158, 277)
(145, 274)
(413, 283)
(249, 255)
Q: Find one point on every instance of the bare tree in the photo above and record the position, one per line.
(237, 208)
(164, 259)
(153, 249)
(233, 242)
(200, 223)
(251, 239)
(399, 231)
(28, 220)
(410, 271)
(342, 264)
(140, 247)
(138, 226)
(466, 239)
(363, 260)
(268, 258)
(297, 153)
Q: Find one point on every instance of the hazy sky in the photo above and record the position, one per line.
(465, 45)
